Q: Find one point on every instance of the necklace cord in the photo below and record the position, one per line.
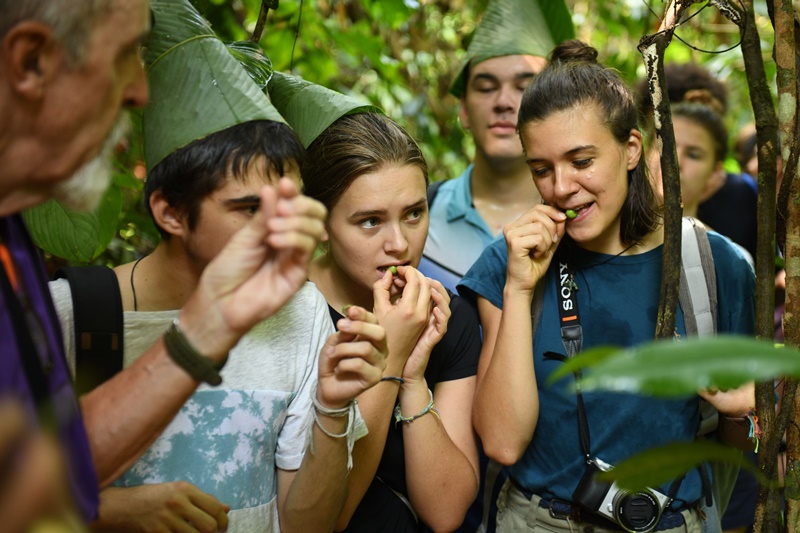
(133, 289)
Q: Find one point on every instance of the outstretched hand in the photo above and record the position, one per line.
(532, 240)
(165, 507)
(352, 359)
(259, 270)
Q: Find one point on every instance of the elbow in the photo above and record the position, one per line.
(499, 446)
(505, 455)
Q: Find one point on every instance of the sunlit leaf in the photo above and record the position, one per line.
(660, 465)
(680, 368)
(68, 234)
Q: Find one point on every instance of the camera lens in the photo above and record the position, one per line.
(636, 511)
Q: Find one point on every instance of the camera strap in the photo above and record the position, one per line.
(572, 337)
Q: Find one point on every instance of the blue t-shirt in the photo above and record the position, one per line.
(618, 304)
(457, 234)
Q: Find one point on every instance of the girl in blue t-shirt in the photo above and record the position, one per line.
(597, 244)
(418, 465)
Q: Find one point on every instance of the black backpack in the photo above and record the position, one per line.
(97, 312)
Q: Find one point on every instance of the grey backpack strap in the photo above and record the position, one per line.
(698, 298)
(698, 286)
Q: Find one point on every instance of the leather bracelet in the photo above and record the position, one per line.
(188, 358)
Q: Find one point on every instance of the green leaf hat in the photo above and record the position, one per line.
(310, 108)
(516, 27)
(197, 85)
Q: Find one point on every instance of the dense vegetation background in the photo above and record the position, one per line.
(400, 55)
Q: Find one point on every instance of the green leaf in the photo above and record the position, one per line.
(68, 234)
(107, 216)
(196, 86)
(659, 466)
(681, 368)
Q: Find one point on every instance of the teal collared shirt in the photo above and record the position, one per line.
(457, 234)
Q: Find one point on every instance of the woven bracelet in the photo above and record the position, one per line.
(350, 431)
(400, 380)
(430, 408)
(188, 358)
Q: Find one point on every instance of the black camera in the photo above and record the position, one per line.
(633, 511)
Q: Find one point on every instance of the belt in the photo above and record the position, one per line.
(564, 510)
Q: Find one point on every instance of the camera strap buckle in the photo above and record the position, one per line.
(562, 510)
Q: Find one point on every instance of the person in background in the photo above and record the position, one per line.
(729, 201)
(507, 50)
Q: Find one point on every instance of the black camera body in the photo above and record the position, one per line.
(633, 511)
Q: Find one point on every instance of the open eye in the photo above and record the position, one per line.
(415, 214)
(369, 223)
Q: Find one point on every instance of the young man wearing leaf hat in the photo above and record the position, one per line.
(238, 444)
(508, 49)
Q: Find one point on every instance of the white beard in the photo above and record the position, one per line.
(84, 189)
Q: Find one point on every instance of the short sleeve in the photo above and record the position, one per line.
(487, 277)
(62, 300)
(736, 287)
(292, 437)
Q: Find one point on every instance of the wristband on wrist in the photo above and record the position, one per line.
(349, 433)
(188, 358)
(430, 408)
(400, 380)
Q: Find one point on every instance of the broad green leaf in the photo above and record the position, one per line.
(107, 217)
(309, 108)
(680, 368)
(659, 466)
(196, 86)
(511, 27)
(64, 233)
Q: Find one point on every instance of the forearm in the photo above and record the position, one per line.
(441, 480)
(319, 489)
(506, 401)
(376, 406)
(124, 415)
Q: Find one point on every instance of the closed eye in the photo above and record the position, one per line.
(582, 163)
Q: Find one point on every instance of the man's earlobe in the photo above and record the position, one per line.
(29, 55)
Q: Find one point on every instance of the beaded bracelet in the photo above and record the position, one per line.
(393, 378)
(349, 433)
(430, 408)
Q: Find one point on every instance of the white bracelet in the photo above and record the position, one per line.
(349, 433)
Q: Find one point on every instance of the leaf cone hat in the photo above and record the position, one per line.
(197, 86)
(516, 27)
(310, 108)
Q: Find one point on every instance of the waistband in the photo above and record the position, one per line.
(564, 510)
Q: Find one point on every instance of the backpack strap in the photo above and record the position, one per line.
(433, 190)
(698, 286)
(97, 312)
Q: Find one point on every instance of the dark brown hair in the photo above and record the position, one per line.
(574, 78)
(352, 146)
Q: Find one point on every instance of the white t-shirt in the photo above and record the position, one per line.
(228, 440)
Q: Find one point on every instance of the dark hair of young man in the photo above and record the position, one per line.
(190, 174)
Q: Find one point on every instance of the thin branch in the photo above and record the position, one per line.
(266, 5)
